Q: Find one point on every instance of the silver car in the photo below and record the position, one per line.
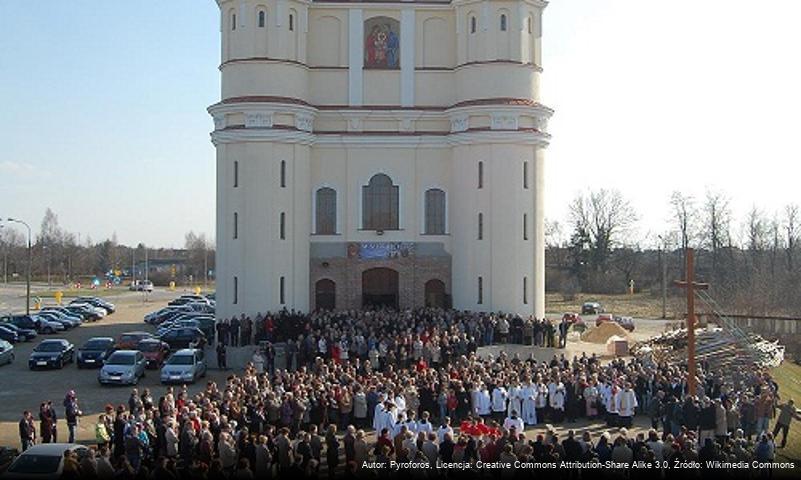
(123, 367)
(6, 352)
(184, 366)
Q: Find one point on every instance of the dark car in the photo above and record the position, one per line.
(95, 351)
(27, 322)
(155, 351)
(24, 334)
(9, 335)
(54, 353)
(96, 302)
(129, 340)
(591, 308)
(84, 312)
(183, 338)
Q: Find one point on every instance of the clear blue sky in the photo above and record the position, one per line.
(103, 108)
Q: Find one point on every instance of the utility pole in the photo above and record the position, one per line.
(691, 286)
(30, 260)
(663, 264)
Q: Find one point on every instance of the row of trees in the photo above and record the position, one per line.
(63, 257)
(752, 264)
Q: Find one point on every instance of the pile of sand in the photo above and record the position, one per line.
(604, 332)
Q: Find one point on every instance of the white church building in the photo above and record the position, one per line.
(380, 153)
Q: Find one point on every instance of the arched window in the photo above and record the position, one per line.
(283, 173)
(236, 225)
(233, 21)
(282, 291)
(480, 290)
(380, 204)
(291, 22)
(480, 174)
(262, 18)
(236, 290)
(503, 23)
(435, 212)
(481, 226)
(472, 24)
(326, 211)
(236, 174)
(528, 25)
(283, 226)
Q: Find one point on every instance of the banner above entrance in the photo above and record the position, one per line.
(380, 250)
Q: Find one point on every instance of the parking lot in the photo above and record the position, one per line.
(22, 389)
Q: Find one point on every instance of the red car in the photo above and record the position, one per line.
(155, 352)
(129, 340)
(572, 318)
(604, 317)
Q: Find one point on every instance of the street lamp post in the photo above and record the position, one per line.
(30, 258)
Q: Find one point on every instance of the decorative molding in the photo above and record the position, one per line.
(219, 122)
(504, 122)
(355, 124)
(304, 122)
(406, 125)
(459, 124)
(258, 120)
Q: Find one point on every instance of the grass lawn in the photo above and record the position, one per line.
(639, 305)
(788, 376)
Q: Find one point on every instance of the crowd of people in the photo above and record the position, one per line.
(366, 388)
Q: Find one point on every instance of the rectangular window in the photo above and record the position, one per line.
(236, 290)
(283, 174)
(480, 174)
(281, 293)
(525, 226)
(480, 290)
(481, 226)
(236, 174)
(525, 290)
(283, 226)
(525, 175)
(236, 225)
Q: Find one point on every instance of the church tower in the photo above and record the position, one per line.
(380, 153)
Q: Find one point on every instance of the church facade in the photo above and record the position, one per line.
(380, 153)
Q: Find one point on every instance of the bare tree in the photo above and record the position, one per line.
(792, 228)
(717, 225)
(685, 216)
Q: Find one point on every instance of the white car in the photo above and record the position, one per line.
(100, 311)
(184, 366)
(43, 461)
(6, 352)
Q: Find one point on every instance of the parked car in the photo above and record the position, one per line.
(604, 317)
(58, 318)
(64, 312)
(84, 311)
(123, 367)
(166, 313)
(184, 366)
(99, 311)
(95, 351)
(129, 340)
(32, 322)
(24, 334)
(591, 308)
(575, 321)
(625, 322)
(8, 335)
(96, 302)
(6, 352)
(183, 338)
(52, 353)
(43, 461)
(141, 286)
(155, 351)
(188, 298)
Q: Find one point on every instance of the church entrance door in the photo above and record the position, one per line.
(380, 287)
(435, 294)
(325, 294)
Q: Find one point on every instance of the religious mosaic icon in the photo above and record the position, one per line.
(382, 43)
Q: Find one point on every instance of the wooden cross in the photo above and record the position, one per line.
(691, 286)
